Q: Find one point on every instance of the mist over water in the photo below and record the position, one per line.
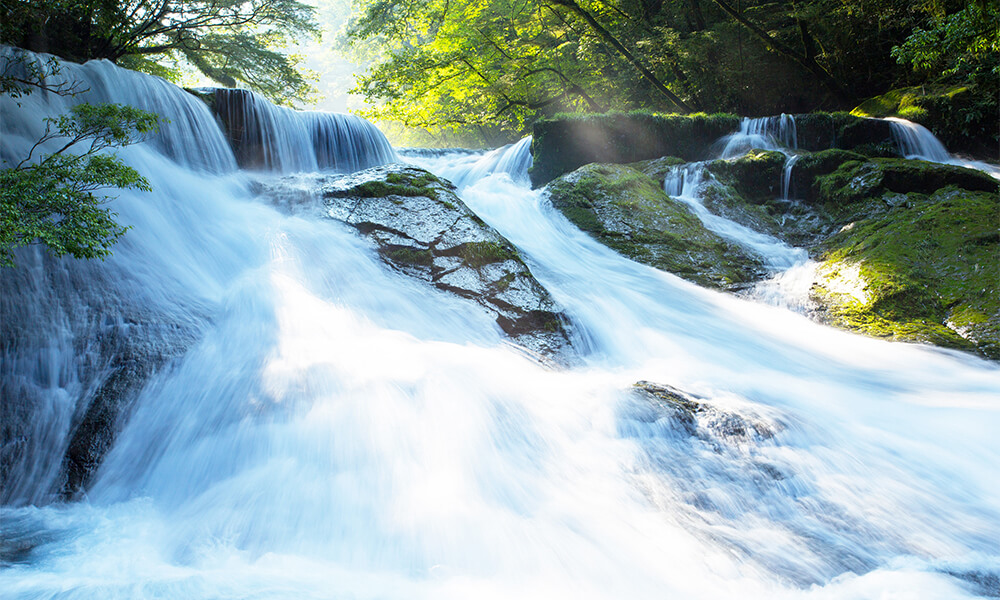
(320, 426)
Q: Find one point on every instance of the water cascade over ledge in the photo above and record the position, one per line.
(307, 423)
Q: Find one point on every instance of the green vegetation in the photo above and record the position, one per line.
(400, 184)
(485, 70)
(52, 199)
(408, 256)
(233, 42)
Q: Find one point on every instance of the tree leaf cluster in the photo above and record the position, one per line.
(233, 42)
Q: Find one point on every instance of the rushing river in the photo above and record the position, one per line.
(326, 427)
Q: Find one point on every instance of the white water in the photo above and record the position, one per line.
(917, 142)
(338, 430)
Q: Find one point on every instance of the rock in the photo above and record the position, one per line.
(922, 267)
(698, 417)
(756, 175)
(822, 131)
(564, 144)
(60, 417)
(630, 213)
(855, 182)
(422, 228)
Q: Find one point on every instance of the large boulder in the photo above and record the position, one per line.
(422, 228)
(629, 212)
(917, 267)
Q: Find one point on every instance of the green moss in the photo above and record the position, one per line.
(405, 183)
(504, 282)
(630, 213)
(756, 175)
(930, 268)
(478, 254)
(856, 181)
(408, 256)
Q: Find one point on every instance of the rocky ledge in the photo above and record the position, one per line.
(629, 212)
(421, 227)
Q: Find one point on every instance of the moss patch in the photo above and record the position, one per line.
(478, 254)
(627, 211)
(404, 255)
(405, 183)
(927, 271)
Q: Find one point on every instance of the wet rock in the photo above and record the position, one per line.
(422, 228)
(564, 144)
(630, 213)
(700, 418)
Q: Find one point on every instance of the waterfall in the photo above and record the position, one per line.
(300, 421)
(766, 133)
(917, 142)
(275, 138)
(462, 169)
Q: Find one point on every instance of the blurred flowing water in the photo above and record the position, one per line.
(319, 426)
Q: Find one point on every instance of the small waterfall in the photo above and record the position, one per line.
(786, 175)
(766, 133)
(917, 142)
(274, 138)
(688, 179)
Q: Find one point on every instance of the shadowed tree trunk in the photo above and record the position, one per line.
(605, 35)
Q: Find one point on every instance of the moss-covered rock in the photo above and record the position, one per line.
(567, 142)
(853, 185)
(822, 131)
(629, 212)
(925, 269)
(420, 227)
(756, 175)
(963, 117)
(658, 168)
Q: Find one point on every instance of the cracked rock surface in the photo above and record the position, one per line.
(422, 228)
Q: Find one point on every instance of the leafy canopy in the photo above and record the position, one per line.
(233, 42)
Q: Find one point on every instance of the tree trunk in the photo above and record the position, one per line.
(807, 62)
(613, 41)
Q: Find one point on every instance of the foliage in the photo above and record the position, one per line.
(493, 67)
(234, 42)
(53, 200)
(963, 46)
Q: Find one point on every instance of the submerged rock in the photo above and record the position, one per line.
(629, 212)
(699, 417)
(422, 228)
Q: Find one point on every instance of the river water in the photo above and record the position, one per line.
(335, 429)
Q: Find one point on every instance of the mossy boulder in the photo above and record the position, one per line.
(924, 269)
(756, 175)
(963, 117)
(822, 131)
(566, 142)
(854, 184)
(658, 168)
(421, 227)
(629, 212)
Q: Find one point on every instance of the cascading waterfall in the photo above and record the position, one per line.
(274, 138)
(325, 427)
(916, 141)
(766, 133)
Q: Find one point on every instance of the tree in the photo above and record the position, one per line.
(53, 200)
(233, 42)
